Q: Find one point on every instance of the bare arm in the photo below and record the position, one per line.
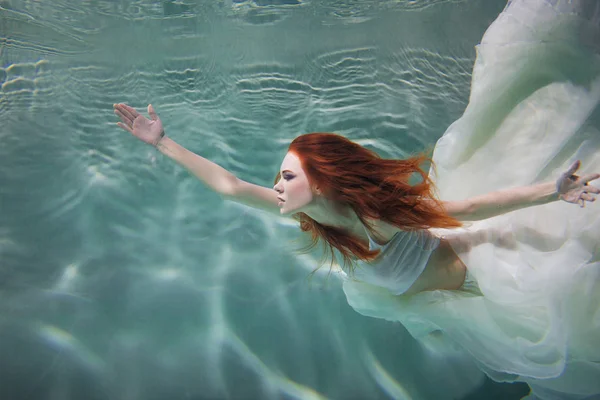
(215, 177)
(212, 175)
(501, 202)
(569, 188)
(219, 179)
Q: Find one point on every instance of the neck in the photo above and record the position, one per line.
(326, 213)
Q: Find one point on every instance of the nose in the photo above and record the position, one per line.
(278, 187)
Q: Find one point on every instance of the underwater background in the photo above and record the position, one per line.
(122, 277)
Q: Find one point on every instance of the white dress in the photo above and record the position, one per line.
(530, 309)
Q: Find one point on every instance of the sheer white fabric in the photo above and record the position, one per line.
(401, 261)
(530, 310)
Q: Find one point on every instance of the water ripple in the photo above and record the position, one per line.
(117, 260)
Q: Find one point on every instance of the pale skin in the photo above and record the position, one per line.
(294, 193)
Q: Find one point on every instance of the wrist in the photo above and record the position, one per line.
(167, 146)
(160, 138)
(550, 192)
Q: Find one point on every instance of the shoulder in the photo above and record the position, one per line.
(383, 231)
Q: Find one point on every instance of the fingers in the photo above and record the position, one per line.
(130, 111)
(127, 128)
(574, 167)
(591, 189)
(587, 197)
(589, 178)
(124, 118)
(152, 113)
(127, 111)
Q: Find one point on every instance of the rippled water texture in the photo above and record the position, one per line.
(121, 277)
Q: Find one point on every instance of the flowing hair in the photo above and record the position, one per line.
(351, 175)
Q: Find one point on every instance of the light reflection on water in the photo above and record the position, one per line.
(121, 276)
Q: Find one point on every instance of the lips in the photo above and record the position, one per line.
(280, 199)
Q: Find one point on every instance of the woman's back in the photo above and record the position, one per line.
(400, 262)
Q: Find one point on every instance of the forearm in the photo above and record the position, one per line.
(212, 175)
(504, 201)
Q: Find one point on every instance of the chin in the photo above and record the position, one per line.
(284, 210)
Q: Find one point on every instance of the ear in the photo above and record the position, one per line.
(317, 191)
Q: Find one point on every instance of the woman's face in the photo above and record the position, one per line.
(293, 188)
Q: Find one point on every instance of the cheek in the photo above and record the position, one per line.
(299, 190)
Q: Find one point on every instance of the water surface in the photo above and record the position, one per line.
(122, 277)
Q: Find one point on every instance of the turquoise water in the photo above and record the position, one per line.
(121, 277)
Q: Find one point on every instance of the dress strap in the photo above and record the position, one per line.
(373, 244)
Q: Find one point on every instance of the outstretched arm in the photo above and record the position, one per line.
(219, 179)
(501, 202)
(569, 187)
(215, 177)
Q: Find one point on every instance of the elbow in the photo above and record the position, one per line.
(471, 208)
(463, 210)
(229, 187)
(476, 212)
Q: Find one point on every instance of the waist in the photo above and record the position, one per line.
(401, 261)
(444, 271)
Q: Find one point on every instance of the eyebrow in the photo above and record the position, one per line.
(286, 170)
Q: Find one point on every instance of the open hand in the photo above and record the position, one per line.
(575, 189)
(147, 130)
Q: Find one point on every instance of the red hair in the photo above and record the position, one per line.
(375, 188)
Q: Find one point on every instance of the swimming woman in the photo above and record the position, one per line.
(351, 198)
(488, 253)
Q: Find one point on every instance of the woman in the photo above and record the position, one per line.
(363, 206)
(354, 200)
(511, 276)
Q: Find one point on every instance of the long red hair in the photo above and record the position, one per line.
(375, 188)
